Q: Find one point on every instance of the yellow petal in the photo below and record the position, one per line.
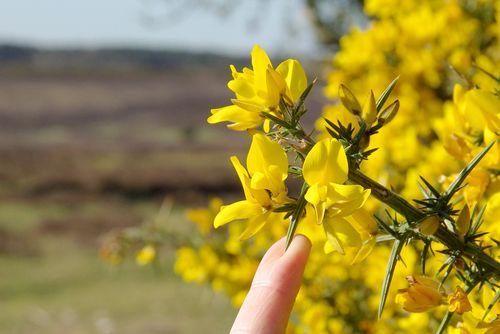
(316, 193)
(248, 105)
(365, 250)
(319, 210)
(345, 199)
(242, 87)
(264, 153)
(276, 86)
(267, 125)
(341, 234)
(254, 225)
(295, 77)
(363, 222)
(326, 163)
(260, 63)
(259, 181)
(482, 106)
(328, 247)
(458, 93)
(252, 194)
(242, 175)
(236, 211)
(243, 119)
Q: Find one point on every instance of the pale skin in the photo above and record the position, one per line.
(267, 307)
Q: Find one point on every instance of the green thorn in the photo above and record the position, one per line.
(455, 185)
(397, 247)
(493, 302)
(294, 221)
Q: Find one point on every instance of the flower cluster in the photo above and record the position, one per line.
(260, 89)
(426, 204)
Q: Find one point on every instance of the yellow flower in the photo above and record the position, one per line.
(260, 90)
(459, 303)
(325, 170)
(480, 108)
(146, 255)
(422, 295)
(204, 217)
(263, 185)
(352, 236)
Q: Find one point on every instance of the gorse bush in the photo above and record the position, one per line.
(400, 179)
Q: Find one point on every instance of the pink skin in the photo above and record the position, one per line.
(267, 307)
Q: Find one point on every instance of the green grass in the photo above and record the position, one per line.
(21, 216)
(64, 287)
(67, 289)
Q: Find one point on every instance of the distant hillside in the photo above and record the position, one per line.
(118, 58)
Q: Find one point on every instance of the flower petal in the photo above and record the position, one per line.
(275, 87)
(326, 163)
(341, 234)
(295, 78)
(260, 63)
(363, 222)
(267, 158)
(242, 86)
(242, 175)
(345, 199)
(316, 193)
(243, 119)
(254, 225)
(236, 211)
(365, 250)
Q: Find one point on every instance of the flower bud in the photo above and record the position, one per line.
(349, 100)
(388, 113)
(370, 109)
(463, 222)
(430, 225)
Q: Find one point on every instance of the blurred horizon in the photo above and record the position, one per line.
(279, 26)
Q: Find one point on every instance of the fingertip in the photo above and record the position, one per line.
(301, 243)
(299, 249)
(270, 300)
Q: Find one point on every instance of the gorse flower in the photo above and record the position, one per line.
(325, 170)
(263, 185)
(459, 303)
(260, 90)
(422, 295)
(146, 255)
(204, 217)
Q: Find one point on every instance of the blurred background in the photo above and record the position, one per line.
(103, 108)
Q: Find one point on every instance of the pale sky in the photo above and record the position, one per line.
(109, 23)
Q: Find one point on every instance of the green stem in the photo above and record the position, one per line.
(387, 196)
(412, 214)
(444, 322)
